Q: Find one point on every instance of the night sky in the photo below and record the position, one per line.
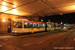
(65, 18)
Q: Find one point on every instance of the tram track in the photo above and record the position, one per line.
(50, 40)
(63, 39)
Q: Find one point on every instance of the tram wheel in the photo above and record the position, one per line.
(16, 34)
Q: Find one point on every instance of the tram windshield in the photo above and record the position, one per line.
(17, 24)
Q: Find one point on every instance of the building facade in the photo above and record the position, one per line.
(7, 21)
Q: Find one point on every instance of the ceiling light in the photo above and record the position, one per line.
(74, 6)
(3, 20)
(4, 7)
(14, 10)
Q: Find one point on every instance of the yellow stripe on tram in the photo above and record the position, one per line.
(32, 30)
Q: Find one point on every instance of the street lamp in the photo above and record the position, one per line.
(61, 22)
(41, 20)
(61, 25)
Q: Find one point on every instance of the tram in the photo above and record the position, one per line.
(53, 26)
(25, 26)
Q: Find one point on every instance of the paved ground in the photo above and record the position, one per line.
(52, 40)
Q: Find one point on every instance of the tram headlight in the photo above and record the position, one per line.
(12, 31)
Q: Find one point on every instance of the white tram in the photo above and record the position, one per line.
(53, 26)
(57, 26)
(24, 26)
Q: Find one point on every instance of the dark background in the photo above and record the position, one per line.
(65, 18)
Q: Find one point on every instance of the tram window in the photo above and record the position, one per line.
(57, 25)
(34, 25)
(40, 25)
(17, 24)
(25, 25)
(31, 25)
(52, 26)
(43, 25)
(37, 25)
(48, 25)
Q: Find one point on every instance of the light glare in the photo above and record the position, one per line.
(4, 7)
(14, 10)
(74, 6)
(3, 20)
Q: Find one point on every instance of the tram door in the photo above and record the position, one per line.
(9, 25)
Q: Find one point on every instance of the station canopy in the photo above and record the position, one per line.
(37, 7)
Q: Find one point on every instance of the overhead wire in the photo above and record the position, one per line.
(50, 5)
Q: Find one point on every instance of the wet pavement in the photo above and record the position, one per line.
(51, 40)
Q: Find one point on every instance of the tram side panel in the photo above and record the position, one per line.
(57, 26)
(37, 27)
(50, 27)
(23, 27)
